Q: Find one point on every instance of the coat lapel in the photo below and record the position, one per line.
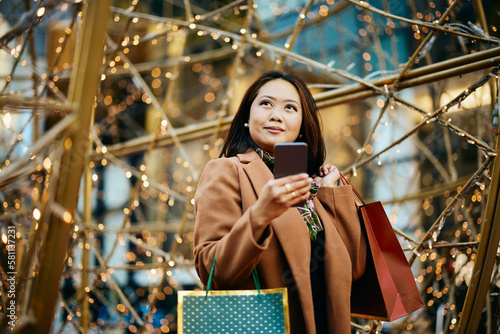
(256, 170)
(289, 228)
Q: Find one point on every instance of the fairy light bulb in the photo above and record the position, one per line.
(40, 12)
(7, 120)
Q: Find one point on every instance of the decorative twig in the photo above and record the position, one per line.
(293, 37)
(15, 169)
(432, 26)
(422, 45)
(449, 208)
(117, 288)
(28, 20)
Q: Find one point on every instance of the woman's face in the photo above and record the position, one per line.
(275, 115)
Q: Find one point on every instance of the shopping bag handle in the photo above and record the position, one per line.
(210, 278)
(347, 183)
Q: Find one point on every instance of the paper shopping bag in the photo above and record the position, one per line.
(233, 311)
(387, 290)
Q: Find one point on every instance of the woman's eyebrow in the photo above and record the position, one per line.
(274, 98)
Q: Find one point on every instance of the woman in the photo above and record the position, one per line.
(250, 220)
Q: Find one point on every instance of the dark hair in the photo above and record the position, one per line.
(238, 138)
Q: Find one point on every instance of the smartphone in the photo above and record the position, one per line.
(289, 159)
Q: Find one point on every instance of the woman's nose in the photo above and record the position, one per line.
(276, 115)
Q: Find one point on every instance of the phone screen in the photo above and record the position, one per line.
(289, 159)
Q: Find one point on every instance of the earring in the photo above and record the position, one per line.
(300, 136)
(245, 125)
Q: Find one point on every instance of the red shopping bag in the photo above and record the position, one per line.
(387, 290)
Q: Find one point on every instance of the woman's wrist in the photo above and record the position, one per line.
(256, 218)
(259, 224)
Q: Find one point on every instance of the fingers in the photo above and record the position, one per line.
(278, 195)
(291, 178)
(326, 169)
(323, 170)
(294, 184)
(291, 189)
(296, 189)
(298, 198)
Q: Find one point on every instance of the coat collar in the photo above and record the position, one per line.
(249, 156)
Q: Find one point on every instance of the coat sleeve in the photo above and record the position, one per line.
(340, 205)
(223, 228)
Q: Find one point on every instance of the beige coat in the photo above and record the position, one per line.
(227, 188)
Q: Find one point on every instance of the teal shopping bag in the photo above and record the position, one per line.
(233, 311)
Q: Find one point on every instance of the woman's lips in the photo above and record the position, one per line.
(274, 129)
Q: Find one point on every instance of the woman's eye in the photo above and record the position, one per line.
(291, 107)
(265, 103)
